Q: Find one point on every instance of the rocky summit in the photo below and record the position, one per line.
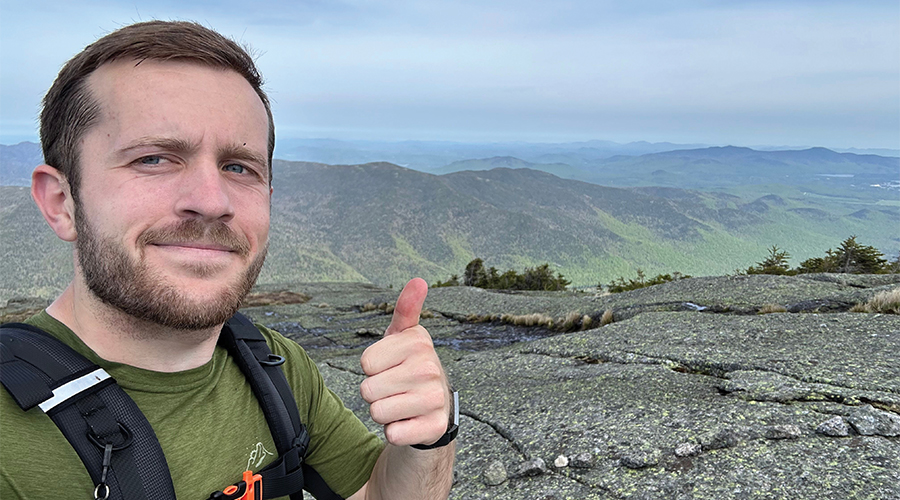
(688, 393)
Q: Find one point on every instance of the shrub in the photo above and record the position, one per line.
(620, 285)
(537, 278)
(453, 281)
(775, 263)
(850, 257)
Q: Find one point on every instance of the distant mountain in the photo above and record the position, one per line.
(429, 155)
(743, 171)
(871, 151)
(723, 167)
(17, 162)
(383, 223)
(557, 169)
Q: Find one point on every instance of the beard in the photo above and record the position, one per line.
(136, 289)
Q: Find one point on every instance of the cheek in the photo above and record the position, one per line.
(256, 221)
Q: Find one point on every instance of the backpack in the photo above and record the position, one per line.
(114, 439)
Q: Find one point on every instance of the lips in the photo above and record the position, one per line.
(196, 245)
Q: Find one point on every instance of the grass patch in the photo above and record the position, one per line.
(385, 307)
(607, 318)
(771, 308)
(887, 302)
(281, 298)
(570, 322)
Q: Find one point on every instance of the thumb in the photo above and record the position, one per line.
(409, 306)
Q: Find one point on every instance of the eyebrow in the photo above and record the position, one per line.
(233, 151)
(167, 143)
(242, 153)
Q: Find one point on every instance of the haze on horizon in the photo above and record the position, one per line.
(745, 73)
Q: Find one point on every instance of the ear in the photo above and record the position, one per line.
(51, 193)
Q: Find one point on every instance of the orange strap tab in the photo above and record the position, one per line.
(249, 488)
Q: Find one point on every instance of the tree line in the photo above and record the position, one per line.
(850, 257)
(533, 278)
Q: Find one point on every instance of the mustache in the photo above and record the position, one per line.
(196, 231)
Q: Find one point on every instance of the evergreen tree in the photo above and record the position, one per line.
(859, 259)
(775, 263)
(850, 257)
(474, 273)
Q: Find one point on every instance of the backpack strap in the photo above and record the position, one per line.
(102, 423)
(112, 437)
(289, 474)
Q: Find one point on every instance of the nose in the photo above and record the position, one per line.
(204, 194)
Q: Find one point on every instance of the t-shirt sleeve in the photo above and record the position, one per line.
(341, 450)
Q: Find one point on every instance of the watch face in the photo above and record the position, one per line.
(455, 408)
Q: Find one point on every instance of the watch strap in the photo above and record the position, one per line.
(452, 428)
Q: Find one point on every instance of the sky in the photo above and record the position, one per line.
(746, 73)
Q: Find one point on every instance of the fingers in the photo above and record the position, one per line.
(406, 387)
(409, 306)
(417, 416)
(409, 406)
(391, 351)
(425, 429)
(404, 375)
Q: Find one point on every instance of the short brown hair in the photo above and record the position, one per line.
(69, 109)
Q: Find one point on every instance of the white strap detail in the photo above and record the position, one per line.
(69, 389)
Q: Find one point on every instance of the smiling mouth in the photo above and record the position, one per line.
(194, 236)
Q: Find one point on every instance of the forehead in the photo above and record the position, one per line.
(177, 99)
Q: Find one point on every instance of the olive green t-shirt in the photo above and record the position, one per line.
(207, 420)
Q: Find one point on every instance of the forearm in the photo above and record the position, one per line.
(403, 472)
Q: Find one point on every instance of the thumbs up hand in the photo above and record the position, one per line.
(406, 387)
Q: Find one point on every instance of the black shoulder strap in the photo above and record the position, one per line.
(110, 433)
(289, 473)
(101, 422)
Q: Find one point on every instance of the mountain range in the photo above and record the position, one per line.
(429, 155)
(384, 223)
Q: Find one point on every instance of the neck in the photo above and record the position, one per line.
(121, 338)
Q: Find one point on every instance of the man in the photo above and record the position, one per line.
(158, 141)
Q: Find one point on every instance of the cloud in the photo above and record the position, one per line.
(529, 67)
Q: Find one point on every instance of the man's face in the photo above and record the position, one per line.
(173, 205)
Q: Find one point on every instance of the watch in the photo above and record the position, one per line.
(452, 427)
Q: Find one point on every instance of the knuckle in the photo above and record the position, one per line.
(434, 400)
(437, 427)
(365, 391)
(378, 413)
(428, 371)
(393, 434)
(422, 339)
(366, 363)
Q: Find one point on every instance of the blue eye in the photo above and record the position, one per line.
(150, 160)
(234, 167)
